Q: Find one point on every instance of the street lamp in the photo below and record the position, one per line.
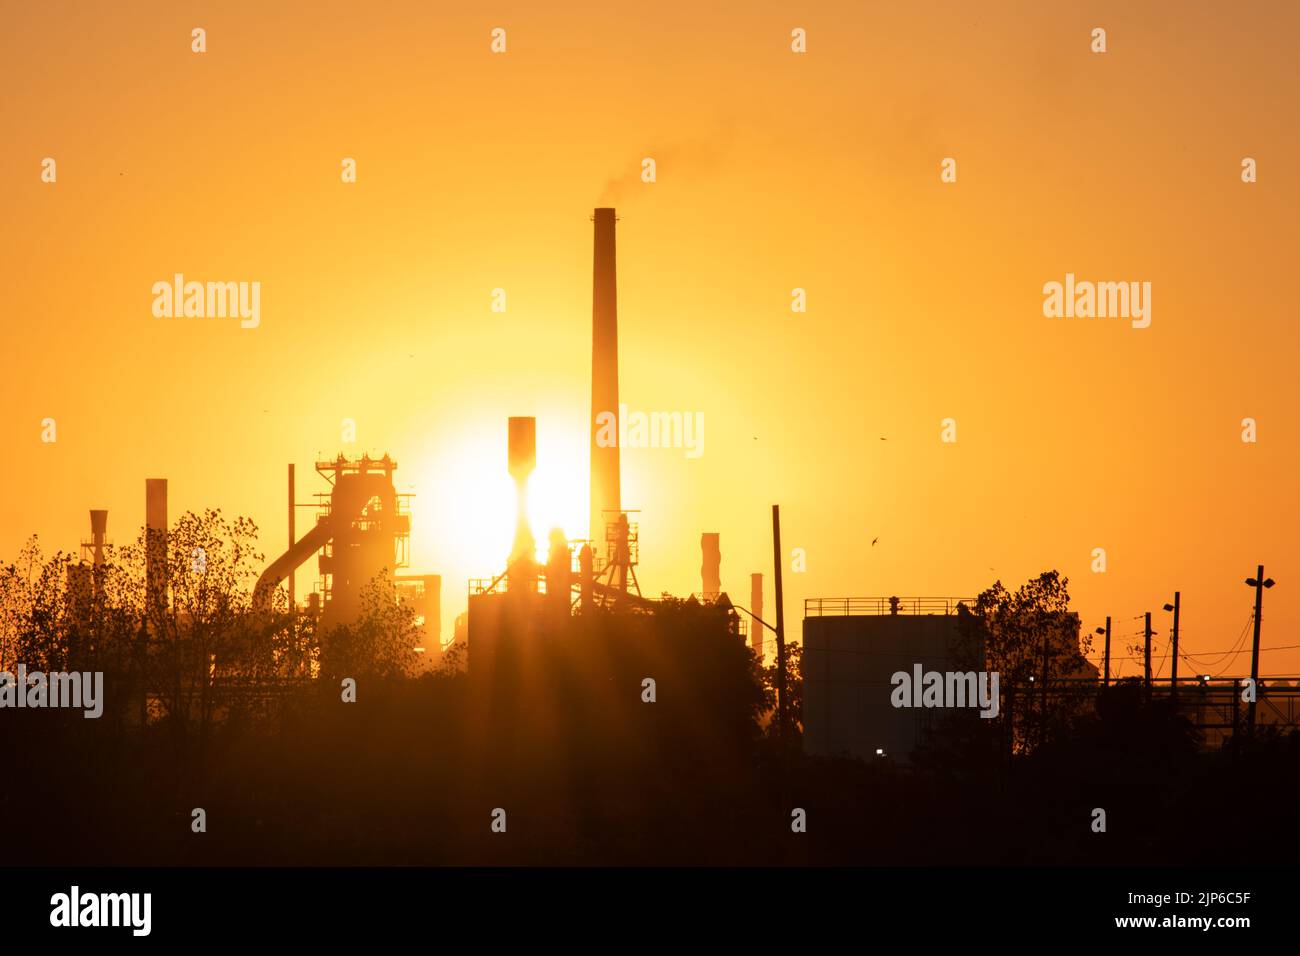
(1259, 583)
(1105, 680)
(1173, 674)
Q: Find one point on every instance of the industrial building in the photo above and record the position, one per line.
(511, 615)
(361, 530)
(851, 648)
(507, 613)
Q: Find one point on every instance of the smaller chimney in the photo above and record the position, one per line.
(756, 634)
(432, 610)
(522, 461)
(523, 447)
(98, 529)
(711, 572)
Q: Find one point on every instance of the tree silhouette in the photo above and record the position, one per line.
(793, 692)
(380, 643)
(1034, 642)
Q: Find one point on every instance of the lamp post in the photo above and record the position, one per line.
(1259, 583)
(1105, 680)
(1147, 680)
(1173, 676)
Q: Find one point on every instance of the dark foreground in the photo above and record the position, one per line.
(415, 772)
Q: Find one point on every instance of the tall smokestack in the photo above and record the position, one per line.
(155, 522)
(604, 381)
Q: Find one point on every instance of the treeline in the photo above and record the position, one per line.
(572, 760)
(304, 744)
(193, 653)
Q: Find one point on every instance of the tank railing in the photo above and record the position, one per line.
(853, 606)
(501, 584)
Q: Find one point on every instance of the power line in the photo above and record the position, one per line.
(1236, 649)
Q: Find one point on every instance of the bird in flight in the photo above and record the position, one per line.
(874, 540)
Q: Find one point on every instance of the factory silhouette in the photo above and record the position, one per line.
(572, 719)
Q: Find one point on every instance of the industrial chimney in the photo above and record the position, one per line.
(522, 461)
(155, 522)
(98, 530)
(433, 610)
(756, 635)
(711, 570)
(604, 382)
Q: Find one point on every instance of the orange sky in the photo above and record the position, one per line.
(775, 171)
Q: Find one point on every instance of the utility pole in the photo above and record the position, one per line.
(1258, 582)
(293, 593)
(1147, 682)
(1173, 675)
(1105, 679)
(780, 624)
(1042, 694)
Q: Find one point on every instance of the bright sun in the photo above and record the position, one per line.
(471, 500)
